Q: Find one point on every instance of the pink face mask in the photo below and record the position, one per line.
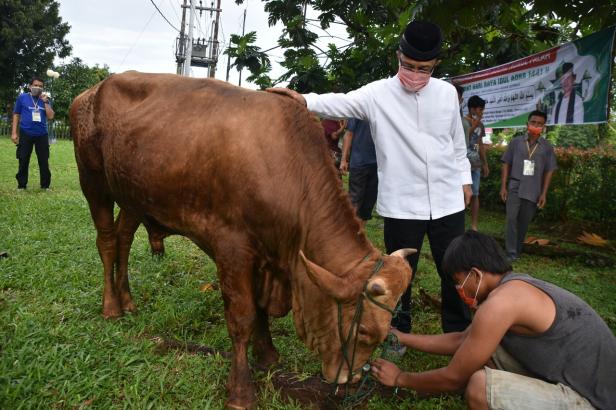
(411, 80)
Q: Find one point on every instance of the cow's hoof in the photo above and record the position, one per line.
(238, 405)
(112, 309)
(129, 307)
(127, 302)
(112, 313)
(266, 359)
(157, 249)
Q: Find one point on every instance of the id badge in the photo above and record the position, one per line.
(529, 167)
(36, 116)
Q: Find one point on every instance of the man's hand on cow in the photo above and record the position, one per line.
(289, 93)
(468, 194)
(385, 372)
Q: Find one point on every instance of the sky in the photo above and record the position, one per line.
(132, 35)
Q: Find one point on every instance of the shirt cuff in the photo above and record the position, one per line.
(310, 100)
(466, 178)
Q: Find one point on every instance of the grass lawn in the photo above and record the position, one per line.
(56, 351)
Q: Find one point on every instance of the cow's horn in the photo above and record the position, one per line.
(335, 286)
(404, 252)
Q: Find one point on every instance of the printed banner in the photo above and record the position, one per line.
(570, 83)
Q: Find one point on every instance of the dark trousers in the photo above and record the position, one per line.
(24, 151)
(409, 233)
(363, 187)
(520, 212)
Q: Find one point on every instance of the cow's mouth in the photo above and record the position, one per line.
(333, 375)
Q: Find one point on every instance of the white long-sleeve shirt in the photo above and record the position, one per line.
(419, 141)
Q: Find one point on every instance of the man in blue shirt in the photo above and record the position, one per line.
(363, 179)
(31, 112)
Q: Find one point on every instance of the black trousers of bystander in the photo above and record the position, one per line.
(24, 152)
(410, 233)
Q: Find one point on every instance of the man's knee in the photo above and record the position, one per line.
(475, 393)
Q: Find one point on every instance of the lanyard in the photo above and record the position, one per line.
(36, 106)
(530, 153)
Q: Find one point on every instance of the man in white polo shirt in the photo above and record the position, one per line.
(424, 175)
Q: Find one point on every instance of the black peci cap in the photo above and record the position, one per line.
(421, 41)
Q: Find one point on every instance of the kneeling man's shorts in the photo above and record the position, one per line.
(510, 388)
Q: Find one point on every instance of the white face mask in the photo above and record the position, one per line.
(36, 91)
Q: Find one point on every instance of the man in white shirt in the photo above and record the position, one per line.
(424, 175)
(569, 108)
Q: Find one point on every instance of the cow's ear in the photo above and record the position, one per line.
(342, 289)
(403, 253)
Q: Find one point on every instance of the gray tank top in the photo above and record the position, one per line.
(578, 350)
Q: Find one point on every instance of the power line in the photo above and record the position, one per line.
(163, 16)
(173, 8)
(138, 38)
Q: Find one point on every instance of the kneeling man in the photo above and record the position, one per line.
(531, 344)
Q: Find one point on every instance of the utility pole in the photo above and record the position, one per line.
(181, 54)
(243, 28)
(228, 63)
(214, 48)
(203, 52)
(188, 62)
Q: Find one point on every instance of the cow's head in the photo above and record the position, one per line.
(374, 286)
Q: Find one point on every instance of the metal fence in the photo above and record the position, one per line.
(60, 130)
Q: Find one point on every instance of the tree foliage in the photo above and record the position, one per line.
(31, 35)
(248, 55)
(477, 34)
(75, 78)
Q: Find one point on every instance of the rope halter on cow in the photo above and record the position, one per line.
(366, 384)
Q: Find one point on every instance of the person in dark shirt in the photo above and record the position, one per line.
(362, 168)
(528, 166)
(531, 344)
(474, 131)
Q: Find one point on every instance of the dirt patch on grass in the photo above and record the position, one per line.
(312, 392)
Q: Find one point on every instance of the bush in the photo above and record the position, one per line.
(582, 187)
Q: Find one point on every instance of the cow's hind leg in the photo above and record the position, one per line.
(101, 209)
(126, 225)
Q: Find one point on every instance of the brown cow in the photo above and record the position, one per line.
(247, 177)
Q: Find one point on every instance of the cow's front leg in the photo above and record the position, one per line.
(240, 315)
(263, 349)
(236, 280)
